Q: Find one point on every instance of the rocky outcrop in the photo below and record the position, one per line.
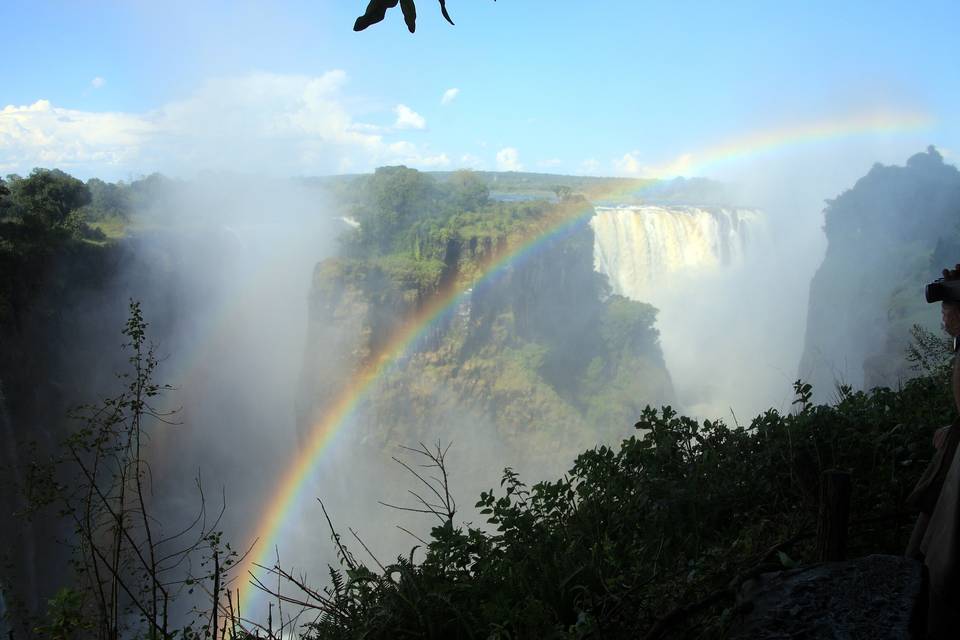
(878, 597)
(886, 236)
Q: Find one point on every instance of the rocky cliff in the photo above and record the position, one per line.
(543, 359)
(887, 236)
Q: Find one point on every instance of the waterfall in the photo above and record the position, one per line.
(721, 313)
(639, 246)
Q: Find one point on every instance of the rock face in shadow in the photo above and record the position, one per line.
(878, 597)
(887, 237)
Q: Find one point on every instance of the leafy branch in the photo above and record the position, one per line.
(377, 10)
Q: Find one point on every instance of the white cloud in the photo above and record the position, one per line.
(407, 118)
(43, 135)
(363, 127)
(277, 124)
(449, 96)
(590, 166)
(408, 153)
(681, 165)
(470, 161)
(97, 82)
(549, 162)
(508, 159)
(629, 164)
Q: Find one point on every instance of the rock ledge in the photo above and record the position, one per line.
(878, 597)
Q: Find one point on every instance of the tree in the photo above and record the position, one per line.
(468, 192)
(107, 200)
(5, 203)
(563, 192)
(49, 196)
(393, 196)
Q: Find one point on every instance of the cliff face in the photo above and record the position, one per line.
(887, 236)
(52, 356)
(541, 357)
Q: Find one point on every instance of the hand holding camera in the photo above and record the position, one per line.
(947, 291)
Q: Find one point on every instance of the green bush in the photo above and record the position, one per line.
(660, 525)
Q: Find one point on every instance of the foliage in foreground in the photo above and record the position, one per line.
(644, 541)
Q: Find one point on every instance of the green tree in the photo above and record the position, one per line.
(107, 200)
(5, 203)
(49, 196)
(629, 326)
(468, 191)
(563, 192)
(393, 198)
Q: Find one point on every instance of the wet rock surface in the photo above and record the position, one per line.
(878, 597)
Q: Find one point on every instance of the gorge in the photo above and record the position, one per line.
(665, 302)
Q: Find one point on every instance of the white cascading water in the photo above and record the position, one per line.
(707, 271)
(640, 248)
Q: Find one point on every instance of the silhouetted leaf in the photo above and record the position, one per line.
(409, 14)
(376, 10)
(443, 10)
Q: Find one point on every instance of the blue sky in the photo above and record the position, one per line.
(117, 89)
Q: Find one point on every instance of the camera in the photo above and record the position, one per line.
(941, 290)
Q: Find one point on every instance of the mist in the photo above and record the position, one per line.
(222, 267)
(231, 284)
(734, 336)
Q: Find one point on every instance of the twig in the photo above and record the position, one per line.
(336, 538)
(365, 548)
(407, 531)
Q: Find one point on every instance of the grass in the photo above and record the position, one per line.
(114, 228)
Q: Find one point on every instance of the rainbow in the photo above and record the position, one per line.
(759, 142)
(564, 221)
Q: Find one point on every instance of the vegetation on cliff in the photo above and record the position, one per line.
(39, 219)
(548, 358)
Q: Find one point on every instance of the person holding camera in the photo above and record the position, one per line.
(936, 536)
